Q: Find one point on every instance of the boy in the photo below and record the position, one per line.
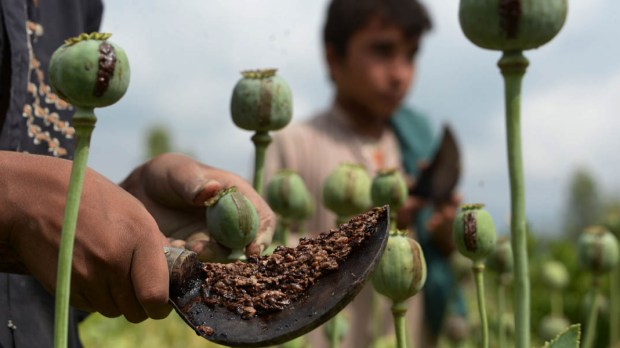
(370, 50)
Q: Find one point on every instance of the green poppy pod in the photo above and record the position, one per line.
(512, 25)
(287, 194)
(309, 210)
(346, 190)
(261, 101)
(89, 71)
(474, 232)
(500, 260)
(551, 326)
(401, 272)
(598, 250)
(232, 220)
(388, 188)
(555, 275)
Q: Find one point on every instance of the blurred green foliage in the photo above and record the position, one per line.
(574, 296)
(98, 331)
(157, 141)
(584, 205)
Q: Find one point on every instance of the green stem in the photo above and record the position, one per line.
(236, 254)
(478, 269)
(277, 234)
(513, 65)
(334, 333)
(614, 319)
(286, 230)
(261, 140)
(393, 217)
(501, 308)
(588, 340)
(333, 339)
(399, 309)
(557, 306)
(84, 122)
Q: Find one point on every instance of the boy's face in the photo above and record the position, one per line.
(376, 70)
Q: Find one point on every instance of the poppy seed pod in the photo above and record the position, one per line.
(555, 275)
(551, 326)
(346, 190)
(388, 188)
(401, 272)
(309, 209)
(474, 232)
(89, 71)
(232, 220)
(598, 250)
(261, 101)
(287, 195)
(512, 25)
(500, 260)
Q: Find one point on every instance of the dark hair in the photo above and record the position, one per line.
(345, 17)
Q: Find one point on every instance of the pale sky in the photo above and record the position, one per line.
(186, 56)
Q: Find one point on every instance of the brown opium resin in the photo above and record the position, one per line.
(269, 283)
(206, 330)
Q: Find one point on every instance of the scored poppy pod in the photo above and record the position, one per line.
(261, 101)
(598, 250)
(89, 71)
(346, 190)
(474, 232)
(232, 220)
(511, 25)
(401, 273)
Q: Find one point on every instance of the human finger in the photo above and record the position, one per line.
(176, 181)
(177, 243)
(93, 295)
(126, 300)
(207, 249)
(149, 276)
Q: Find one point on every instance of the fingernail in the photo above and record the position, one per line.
(208, 190)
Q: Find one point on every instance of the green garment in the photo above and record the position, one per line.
(418, 143)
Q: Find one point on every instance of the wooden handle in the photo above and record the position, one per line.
(182, 265)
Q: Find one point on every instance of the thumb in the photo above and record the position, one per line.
(204, 192)
(180, 181)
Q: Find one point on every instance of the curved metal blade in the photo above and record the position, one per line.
(324, 299)
(437, 181)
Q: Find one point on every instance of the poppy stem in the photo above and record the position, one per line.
(84, 122)
(513, 65)
(261, 140)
